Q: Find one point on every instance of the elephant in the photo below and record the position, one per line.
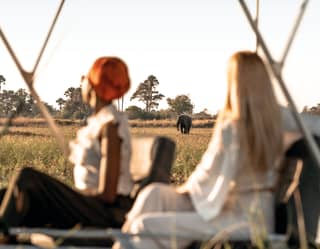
(184, 123)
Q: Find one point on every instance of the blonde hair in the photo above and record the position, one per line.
(252, 103)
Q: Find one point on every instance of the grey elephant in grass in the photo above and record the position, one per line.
(184, 123)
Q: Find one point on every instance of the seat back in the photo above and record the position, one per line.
(151, 161)
(308, 179)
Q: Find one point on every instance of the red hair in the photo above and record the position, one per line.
(109, 78)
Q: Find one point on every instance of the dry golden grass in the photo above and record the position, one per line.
(34, 122)
(200, 123)
(33, 145)
(27, 122)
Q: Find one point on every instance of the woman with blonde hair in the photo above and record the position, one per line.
(102, 182)
(232, 188)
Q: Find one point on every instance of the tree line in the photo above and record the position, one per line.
(313, 109)
(71, 106)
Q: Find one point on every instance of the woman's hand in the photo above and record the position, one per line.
(182, 189)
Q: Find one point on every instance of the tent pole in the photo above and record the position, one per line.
(276, 70)
(29, 80)
(294, 31)
(48, 36)
(257, 22)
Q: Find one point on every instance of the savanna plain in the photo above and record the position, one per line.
(30, 143)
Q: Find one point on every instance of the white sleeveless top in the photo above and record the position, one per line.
(85, 151)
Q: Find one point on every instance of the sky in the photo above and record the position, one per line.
(184, 43)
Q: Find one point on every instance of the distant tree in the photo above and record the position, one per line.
(73, 106)
(16, 102)
(53, 111)
(9, 102)
(181, 104)
(2, 81)
(134, 112)
(166, 114)
(147, 93)
(202, 115)
(21, 103)
(25, 103)
(313, 110)
(60, 102)
(36, 111)
(305, 109)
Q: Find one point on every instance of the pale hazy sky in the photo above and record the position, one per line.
(184, 43)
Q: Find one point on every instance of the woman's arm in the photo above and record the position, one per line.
(210, 182)
(110, 162)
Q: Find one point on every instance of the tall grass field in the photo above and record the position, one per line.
(30, 143)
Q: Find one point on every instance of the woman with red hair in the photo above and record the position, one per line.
(101, 197)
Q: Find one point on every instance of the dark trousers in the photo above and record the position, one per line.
(34, 199)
